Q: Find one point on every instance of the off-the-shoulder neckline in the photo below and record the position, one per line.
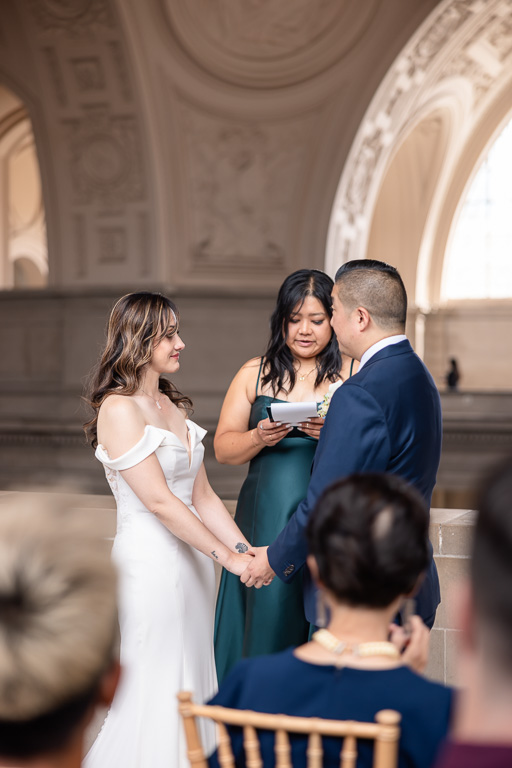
(152, 426)
(160, 429)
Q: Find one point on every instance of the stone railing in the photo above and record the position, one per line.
(450, 532)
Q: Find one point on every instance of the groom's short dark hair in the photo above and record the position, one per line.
(377, 287)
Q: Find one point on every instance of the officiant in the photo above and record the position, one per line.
(300, 365)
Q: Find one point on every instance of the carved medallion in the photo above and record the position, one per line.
(268, 42)
(89, 74)
(105, 159)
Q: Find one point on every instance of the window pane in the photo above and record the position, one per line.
(478, 264)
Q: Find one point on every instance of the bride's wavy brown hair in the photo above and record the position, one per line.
(136, 323)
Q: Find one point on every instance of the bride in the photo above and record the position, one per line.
(171, 526)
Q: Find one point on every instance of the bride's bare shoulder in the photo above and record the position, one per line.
(119, 409)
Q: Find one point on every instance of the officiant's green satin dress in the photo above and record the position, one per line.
(250, 622)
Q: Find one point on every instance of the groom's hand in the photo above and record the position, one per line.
(258, 573)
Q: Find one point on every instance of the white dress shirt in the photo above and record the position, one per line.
(382, 344)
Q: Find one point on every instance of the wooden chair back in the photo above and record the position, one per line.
(385, 732)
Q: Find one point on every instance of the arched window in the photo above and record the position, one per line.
(23, 244)
(478, 262)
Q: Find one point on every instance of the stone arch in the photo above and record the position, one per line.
(401, 212)
(455, 67)
(29, 272)
(22, 220)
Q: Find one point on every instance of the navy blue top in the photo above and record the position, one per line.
(283, 684)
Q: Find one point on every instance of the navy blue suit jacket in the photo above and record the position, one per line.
(386, 418)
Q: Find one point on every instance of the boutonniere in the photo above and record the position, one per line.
(324, 405)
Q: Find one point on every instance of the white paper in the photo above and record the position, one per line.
(293, 413)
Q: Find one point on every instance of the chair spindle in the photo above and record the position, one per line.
(315, 751)
(252, 748)
(282, 749)
(386, 744)
(348, 752)
(224, 751)
(195, 752)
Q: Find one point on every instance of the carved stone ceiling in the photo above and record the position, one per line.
(268, 43)
(463, 47)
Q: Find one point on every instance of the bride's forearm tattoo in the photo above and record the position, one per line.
(215, 555)
(241, 547)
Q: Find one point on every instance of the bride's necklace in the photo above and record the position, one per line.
(331, 643)
(157, 402)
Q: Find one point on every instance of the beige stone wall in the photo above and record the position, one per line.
(479, 335)
(49, 343)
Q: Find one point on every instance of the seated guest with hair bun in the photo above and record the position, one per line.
(368, 544)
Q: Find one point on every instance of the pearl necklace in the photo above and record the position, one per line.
(157, 402)
(331, 643)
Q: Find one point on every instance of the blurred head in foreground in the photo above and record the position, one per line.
(482, 734)
(491, 573)
(58, 631)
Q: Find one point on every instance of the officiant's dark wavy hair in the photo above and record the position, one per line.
(136, 323)
(278, 368)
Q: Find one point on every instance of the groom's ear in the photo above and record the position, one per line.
(362, 318)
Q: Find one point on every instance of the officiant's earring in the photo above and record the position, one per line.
(321, 610)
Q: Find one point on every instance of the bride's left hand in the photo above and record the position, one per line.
(238, 562)
(312, 427)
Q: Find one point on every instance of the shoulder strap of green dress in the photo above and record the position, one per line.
(259, 374)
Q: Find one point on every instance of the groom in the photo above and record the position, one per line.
(386, 418)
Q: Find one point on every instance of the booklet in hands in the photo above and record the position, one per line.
(292, 413)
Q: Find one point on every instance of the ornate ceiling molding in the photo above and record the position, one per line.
(463, 53)
(268, 44)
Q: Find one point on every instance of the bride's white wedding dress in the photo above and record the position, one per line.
(166, 615)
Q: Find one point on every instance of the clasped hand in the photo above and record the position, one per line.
(258, 573)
